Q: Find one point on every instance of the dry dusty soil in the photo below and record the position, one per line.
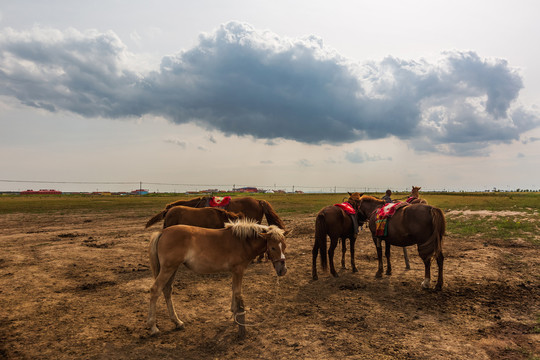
(75, 286)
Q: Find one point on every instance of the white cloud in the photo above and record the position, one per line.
(243, 81)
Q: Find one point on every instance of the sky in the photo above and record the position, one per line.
(294, 95)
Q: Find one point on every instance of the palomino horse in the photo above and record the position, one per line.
(419, 224)
(250, 207)
(206, 251)
(334, 222)
(210, 218)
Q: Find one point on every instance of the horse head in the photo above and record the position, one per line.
(275, 248)
(354, 199)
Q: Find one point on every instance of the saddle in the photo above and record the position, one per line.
(220, 202)
(385, 213)
(345, 206)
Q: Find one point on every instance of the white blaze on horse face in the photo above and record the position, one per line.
(281, 250)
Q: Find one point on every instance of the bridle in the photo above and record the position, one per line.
(270, 256)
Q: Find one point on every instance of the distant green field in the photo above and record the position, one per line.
(524, 225)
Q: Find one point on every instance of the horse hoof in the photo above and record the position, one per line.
(378, 275)
(335, 275)
(407, 268)
(154, 331)
(315, 277)
(354, 270)
(388, 273)
(180, 326)
(438, 287)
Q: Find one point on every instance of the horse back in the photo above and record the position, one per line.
(203, 217)
(248, 206)
(336, 222)
(410, 224)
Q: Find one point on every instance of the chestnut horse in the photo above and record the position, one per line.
(206, 251)
(334, 222)
(415, 196)
(419, 224)
(250, 207)
(210, 218)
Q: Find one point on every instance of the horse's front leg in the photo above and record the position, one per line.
(343, 252)
(440, 262)
(353, 265)
(333, 245)
(237, 305)
(378, 246)
(387, 253)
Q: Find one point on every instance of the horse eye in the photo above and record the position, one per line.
(273, 248)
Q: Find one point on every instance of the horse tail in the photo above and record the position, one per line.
(154, 260)
(320, 240)
(433, 246)
(271, 216)
(156, 218)
(439, 228)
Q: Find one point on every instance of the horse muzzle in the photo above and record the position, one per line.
(280, 267)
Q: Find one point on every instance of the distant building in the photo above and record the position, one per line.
(247, 190)
(41, 192)
(139, 192)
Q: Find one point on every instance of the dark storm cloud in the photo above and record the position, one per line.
(242, 81)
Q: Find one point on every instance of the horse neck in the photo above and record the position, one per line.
(256, 245)
(370, 207)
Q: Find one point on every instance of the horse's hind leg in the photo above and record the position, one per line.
(352, 242)
(406, 257)
(167, 291)
(158, 286)
(440, 262)
(387, 254)
(426, 284)
(333, 245)
(343, 252)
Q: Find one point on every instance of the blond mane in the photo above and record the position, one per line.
(248, 228)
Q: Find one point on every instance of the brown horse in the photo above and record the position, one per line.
(415, 195)
(210, 218)
(334, 222)
(419, 224)
(209, 251)
(250, 207)
(355, 197)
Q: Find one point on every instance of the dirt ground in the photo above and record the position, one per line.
(75, 286)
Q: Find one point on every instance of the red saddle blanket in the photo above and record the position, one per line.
(347, 208)
(219, 201)
(383, 214)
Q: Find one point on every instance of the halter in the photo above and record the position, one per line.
(270, 257)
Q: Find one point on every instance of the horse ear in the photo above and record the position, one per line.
(349, 193)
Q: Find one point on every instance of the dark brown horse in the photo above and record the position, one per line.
(334, 222)
(250, 207)
(419, 224)
(210, 218)
(206, 251)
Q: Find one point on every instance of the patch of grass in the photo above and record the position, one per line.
(503, 228)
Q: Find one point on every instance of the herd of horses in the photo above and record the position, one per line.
(213, 239)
